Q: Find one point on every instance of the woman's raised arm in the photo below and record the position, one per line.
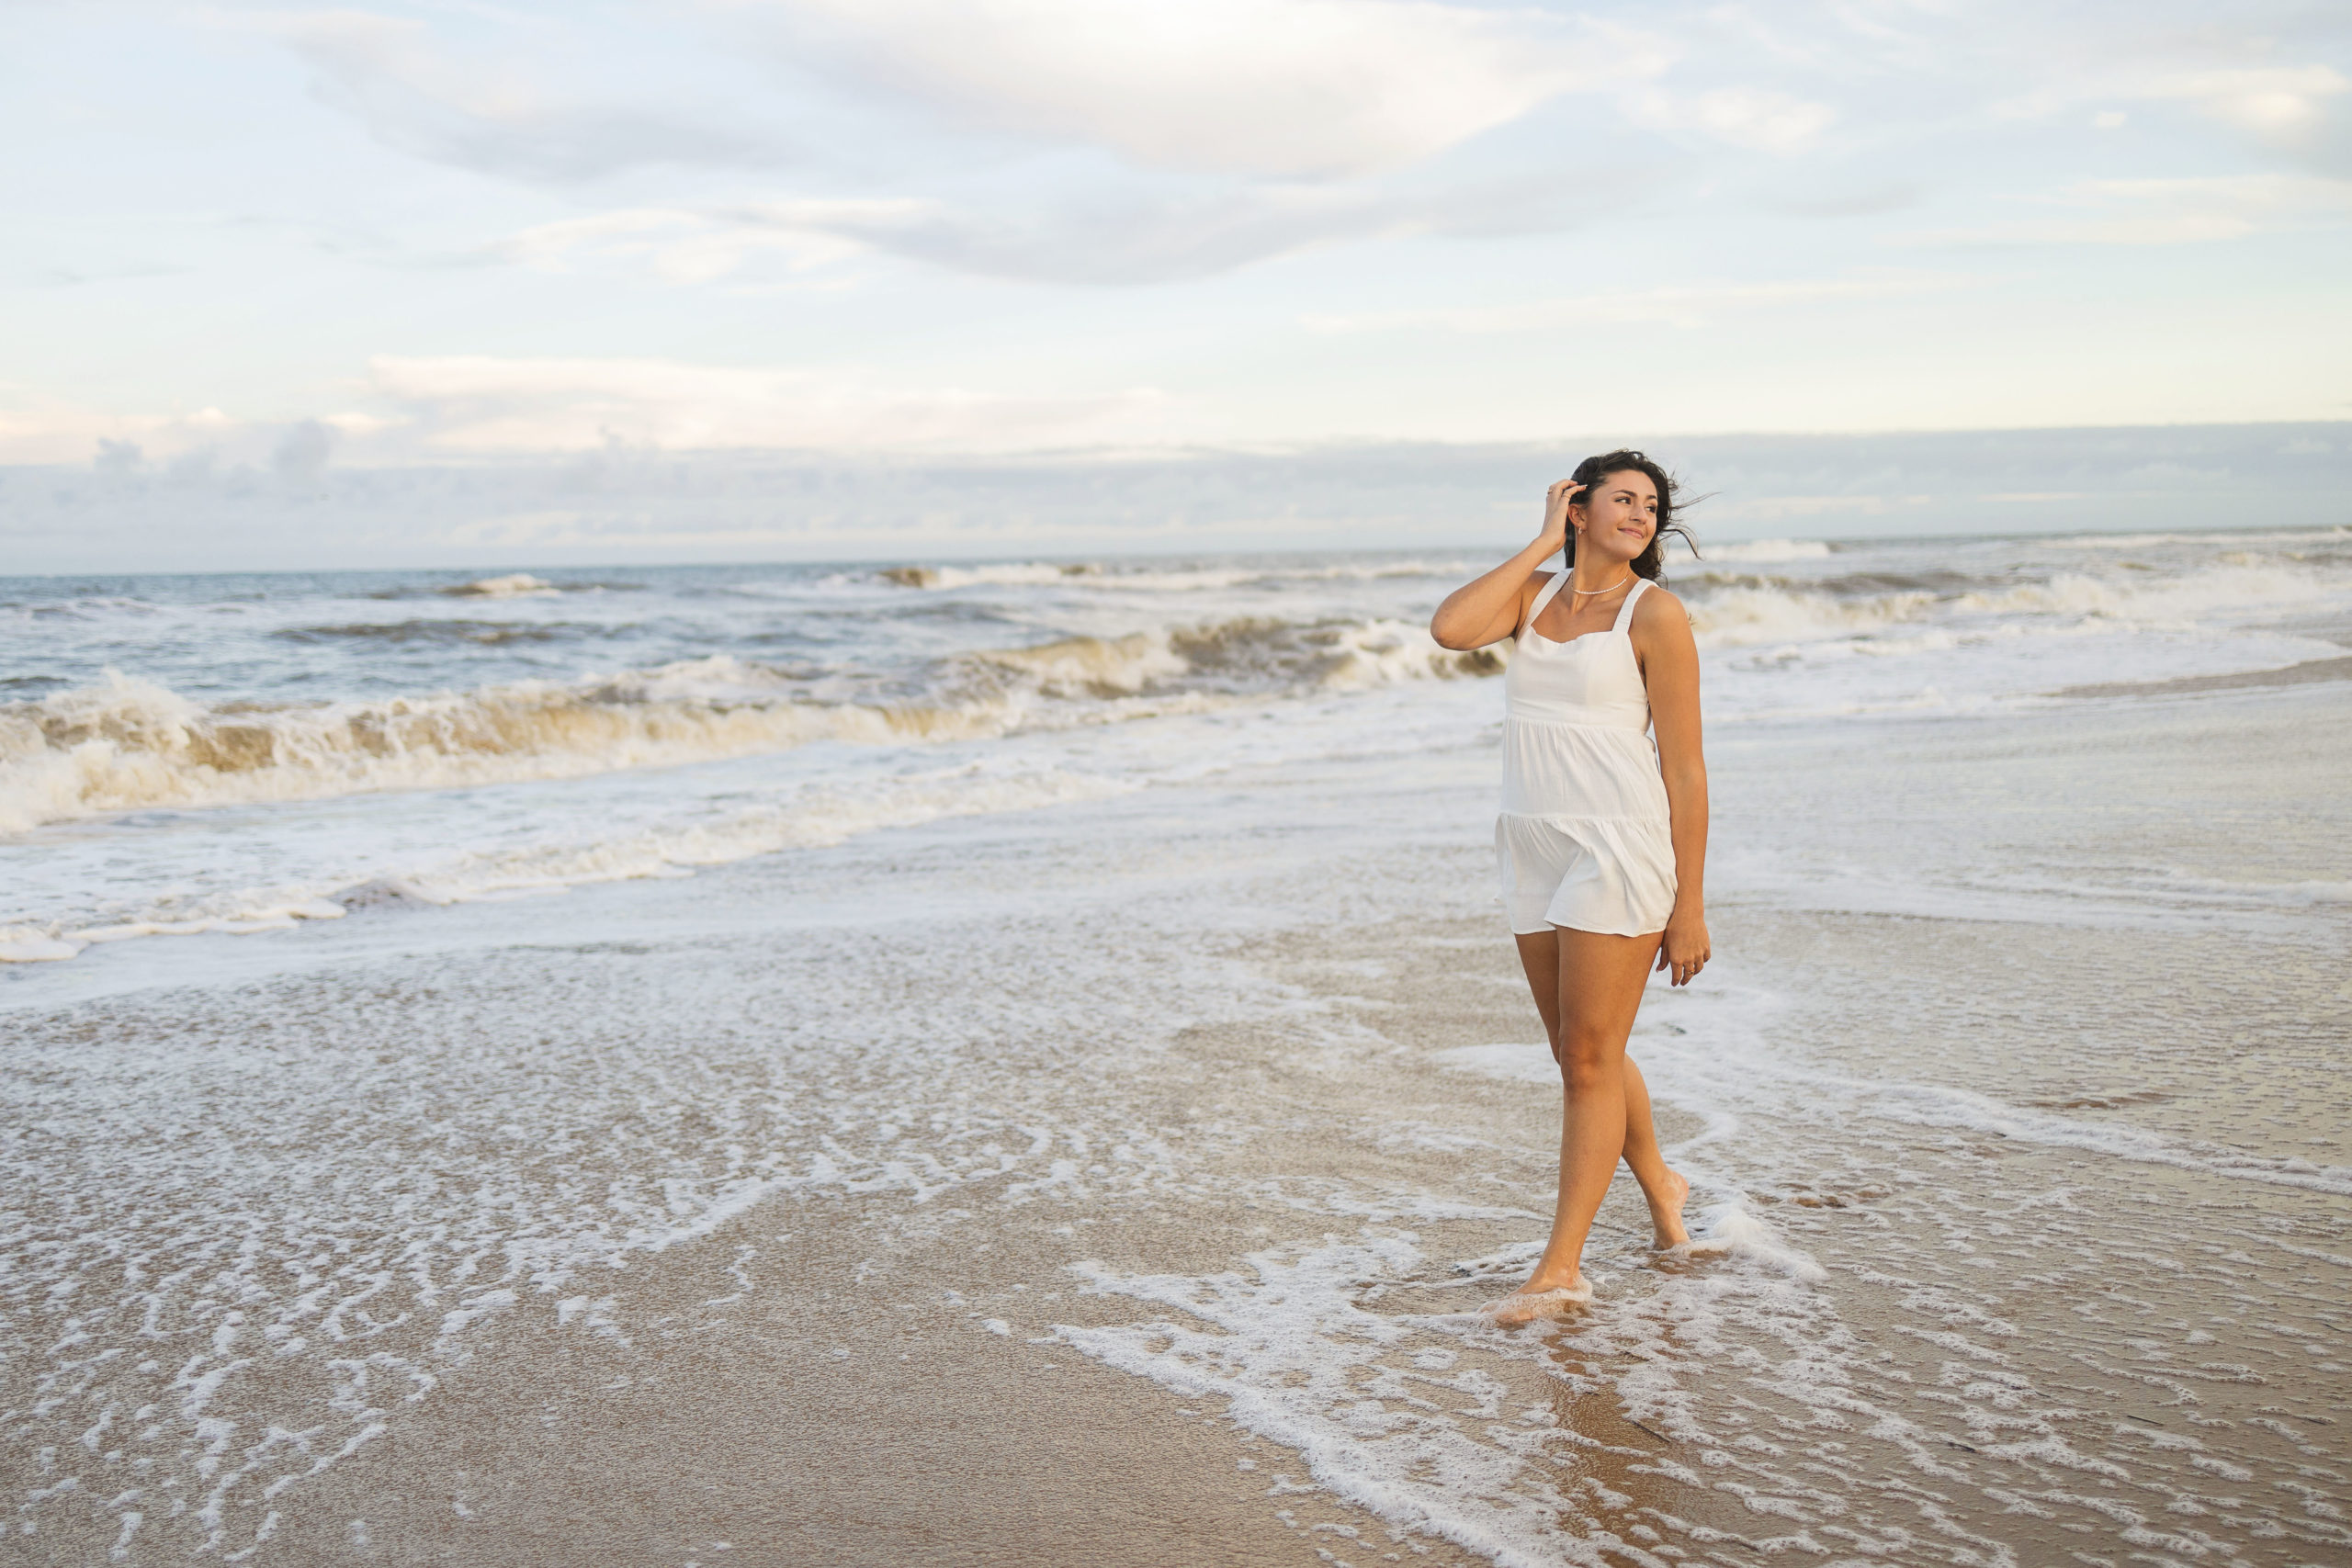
(1487, 608)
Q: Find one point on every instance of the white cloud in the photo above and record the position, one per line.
(462, 109)
(2164, 212)
(53, 430)
(2286, 105)
(476, 403)
(685, 246)
(1756, 117)
(2281, 102)
(1689, 306)
(1139, 232)
(1291, 88)
(481, 406)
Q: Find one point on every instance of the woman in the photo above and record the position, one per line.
(1604, 834)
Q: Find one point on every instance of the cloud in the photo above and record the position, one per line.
(480, 404)
(476, 406)
(302, 452)
(1678, 306)
(432, 104)
(688, 246)
(51, 429)
(739, 506)
(1759, 119)
(2290, 108)
(1131, 235)
(2164, 212)
(2279, 103)
(1294, 89)
(1868, 202)
(1136, 230)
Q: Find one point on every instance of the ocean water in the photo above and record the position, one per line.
(240, 753)
(398, 956)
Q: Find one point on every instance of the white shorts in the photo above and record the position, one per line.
(1613, 874)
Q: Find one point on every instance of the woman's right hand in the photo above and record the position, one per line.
(1556, 513)
(1486, 608)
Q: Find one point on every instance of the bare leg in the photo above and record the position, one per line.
(1663, 1188)
(1597, 993)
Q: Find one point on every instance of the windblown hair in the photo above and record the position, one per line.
(1651, 562)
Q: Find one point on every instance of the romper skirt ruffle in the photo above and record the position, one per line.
(1610, 874)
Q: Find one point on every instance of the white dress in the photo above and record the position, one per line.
(1584, 837)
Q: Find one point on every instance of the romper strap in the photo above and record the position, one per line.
(1551, 591)
(1625, 610)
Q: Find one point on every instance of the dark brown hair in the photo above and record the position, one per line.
(1651, 562)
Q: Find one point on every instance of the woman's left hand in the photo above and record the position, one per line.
(1685, 950)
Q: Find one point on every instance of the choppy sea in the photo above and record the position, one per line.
(1958, 783)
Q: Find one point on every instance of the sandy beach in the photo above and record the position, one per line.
(765, 768)
(1111, 1181)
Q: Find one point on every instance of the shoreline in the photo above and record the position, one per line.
(1263, 1085)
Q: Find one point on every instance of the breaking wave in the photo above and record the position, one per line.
(1770, 550)
(130, 745)
(1732, 612)
(514, 585)
(1032, 574)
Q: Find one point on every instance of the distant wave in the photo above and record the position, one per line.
(130, 745)
(964, 577)
(1768, 550)
(515, 585)
(1750, 610)
(1092, 575)
(512, 585)
(486, 634)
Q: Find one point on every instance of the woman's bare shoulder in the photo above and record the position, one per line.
(1659, 607)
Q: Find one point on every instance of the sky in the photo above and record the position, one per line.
(298, 242)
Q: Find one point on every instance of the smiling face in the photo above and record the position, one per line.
(1618, 516)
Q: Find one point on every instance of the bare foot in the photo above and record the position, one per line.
(1524, 1305)
(1666, 1211)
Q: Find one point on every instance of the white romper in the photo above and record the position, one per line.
(1584, 837)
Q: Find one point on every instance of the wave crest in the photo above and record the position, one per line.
(513, 585)
(132, 745)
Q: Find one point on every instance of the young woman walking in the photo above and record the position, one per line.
(1603, 832)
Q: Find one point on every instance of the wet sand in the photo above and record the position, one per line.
(2034, 1254)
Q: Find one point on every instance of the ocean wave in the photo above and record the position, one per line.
(1148, 580)
(2250, 585)
(1749, 610)
(1091, 666)
(1268, 655)
(813, 817)
(1739, 617)
(513, 585)
(1768, 550)
(484, 634)
(130, 745)
(1250, 656)
(2144, 541)
(1022, 575)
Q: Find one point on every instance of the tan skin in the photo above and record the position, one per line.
(1588, 984)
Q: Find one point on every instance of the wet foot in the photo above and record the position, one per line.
(1524, 1305)
(1666, 1211)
